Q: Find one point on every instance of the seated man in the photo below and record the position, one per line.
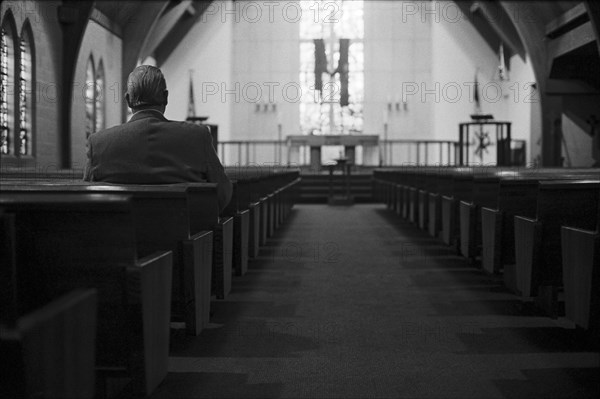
(149, 149)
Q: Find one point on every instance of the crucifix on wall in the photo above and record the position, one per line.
(328, 91)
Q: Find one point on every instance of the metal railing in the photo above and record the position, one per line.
(421, 152)
(391, 152)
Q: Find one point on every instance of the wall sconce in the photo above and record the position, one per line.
(274, 107)
(405, 105)
(395, 105)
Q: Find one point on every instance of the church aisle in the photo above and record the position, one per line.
(354, 303)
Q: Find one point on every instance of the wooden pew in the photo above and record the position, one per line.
(581, 275)
(50, 351)
(537, 240)
(66, 241)
(516, 195)
(176, 217)
(484, 194)
(458, 189)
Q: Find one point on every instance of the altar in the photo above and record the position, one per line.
(368, 143)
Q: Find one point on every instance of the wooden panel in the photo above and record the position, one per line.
(222, 258)
(491, 228)
(264, 211)
(448, 220)
(527, 245)
(153, 277)
(468, 230)
(50, 353)
(193, 302)
(423, 209)
(254, 231)
(580, 257)
(413, 204)
(241, 227)
(435, 212)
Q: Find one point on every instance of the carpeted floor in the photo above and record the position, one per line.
(352, 302)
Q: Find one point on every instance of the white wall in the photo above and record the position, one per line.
(266, 52)
(208, 50)
(458, 51)
(102, 45)
(242, 51)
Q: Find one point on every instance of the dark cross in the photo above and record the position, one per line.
(482, 141)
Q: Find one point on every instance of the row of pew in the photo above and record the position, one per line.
(537, 227)
(95, 275)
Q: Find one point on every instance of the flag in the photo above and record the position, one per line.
(320, 63)
(191, 103)
(502, 67)
(342, 68)
(476, 95)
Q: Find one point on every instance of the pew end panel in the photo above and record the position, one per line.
(528, 240)
(150, 292)
(194, 302)
(254, 229)
(423, 209)
(468, 229)
(398, 198)
(264, 211)
(50, 352)
(435, 214)
(581, 277)
(491, 230)
(240, 250)
(222, 257)
(413, 205)
(449, 210)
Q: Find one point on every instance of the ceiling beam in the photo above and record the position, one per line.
(101, 19)
(593, 10)
(571, 40)
(503, 26)
(568, 20)
(164, 25)
(569, 87)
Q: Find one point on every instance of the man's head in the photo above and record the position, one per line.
(146, 89)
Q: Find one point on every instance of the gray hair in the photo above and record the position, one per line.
(146, 85)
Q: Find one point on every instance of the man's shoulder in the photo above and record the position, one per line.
(185, 128)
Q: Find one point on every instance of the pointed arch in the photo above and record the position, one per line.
(100, 88)
(26, 135)
(8, 98)
(90, 97)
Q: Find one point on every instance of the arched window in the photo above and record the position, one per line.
(99, 96)
(7, 76)
(90, 98)
(26, 90)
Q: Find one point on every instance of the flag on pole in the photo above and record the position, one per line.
(343, 69)
(191, 103)
(320, 63)
(476, 95)
(502, 67)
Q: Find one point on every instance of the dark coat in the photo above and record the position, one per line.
(149, 149)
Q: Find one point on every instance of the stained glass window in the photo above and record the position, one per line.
(321, 111)
(90, 98)
(7, 77)
(25, 94)
(99, 97)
